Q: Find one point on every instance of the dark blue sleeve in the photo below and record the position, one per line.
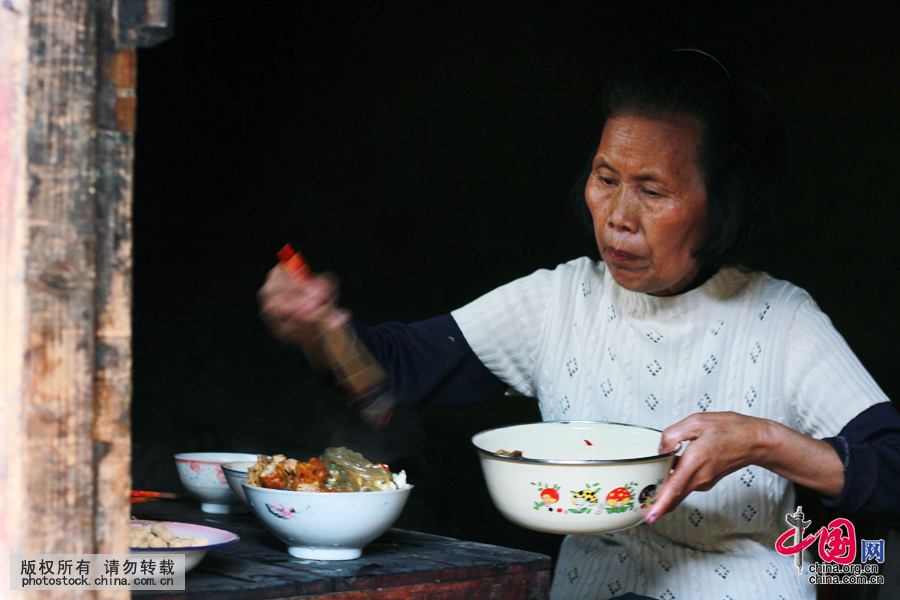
(869, 447)
(430, 361)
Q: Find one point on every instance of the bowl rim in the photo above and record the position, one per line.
(301, 494)
(205, 457)
(236, 471)
(559, 461)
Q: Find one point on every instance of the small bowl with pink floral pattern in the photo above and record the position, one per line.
(201, 474)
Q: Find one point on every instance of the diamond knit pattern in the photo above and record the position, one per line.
(742, 342)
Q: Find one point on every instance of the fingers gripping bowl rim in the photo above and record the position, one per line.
(574, 476)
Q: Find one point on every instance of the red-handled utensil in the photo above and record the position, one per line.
(293, 262)
(363, 381)
(166, 495)
(138, 496)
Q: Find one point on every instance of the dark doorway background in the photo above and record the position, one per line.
(425, 153)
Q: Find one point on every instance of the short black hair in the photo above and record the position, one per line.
(742, 148)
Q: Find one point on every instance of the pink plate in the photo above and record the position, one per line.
(192, 554)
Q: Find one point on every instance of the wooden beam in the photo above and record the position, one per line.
(143, 23)
(67, 122)
(66, 151)
(116, 121)
(14, 36)
(112, 423)
(60, 277)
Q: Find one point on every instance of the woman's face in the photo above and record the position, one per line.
(647, 197)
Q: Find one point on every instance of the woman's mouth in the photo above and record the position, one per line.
(619, 256)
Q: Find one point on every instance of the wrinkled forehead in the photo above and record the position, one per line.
(692, 125)
(663, 142)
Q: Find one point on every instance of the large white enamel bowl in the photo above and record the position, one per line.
(201, 474)
(326, 526)
(573, 476)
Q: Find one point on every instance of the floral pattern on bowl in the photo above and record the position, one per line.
(281, 512)
(203, 472)
(584, 501)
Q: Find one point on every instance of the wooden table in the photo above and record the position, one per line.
(399, 565)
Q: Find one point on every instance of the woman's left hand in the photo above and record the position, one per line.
(720, 443)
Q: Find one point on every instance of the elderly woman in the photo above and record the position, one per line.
(665, 332)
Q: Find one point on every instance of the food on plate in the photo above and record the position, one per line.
(160, 536)
(513, 454)
(338, 470)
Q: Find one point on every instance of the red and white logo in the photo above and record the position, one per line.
(837, 551)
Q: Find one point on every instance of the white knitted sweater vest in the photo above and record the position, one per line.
(589, 349)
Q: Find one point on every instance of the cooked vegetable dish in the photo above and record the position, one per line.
(338, 470)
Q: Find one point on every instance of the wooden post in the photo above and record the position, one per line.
(67, 122)
(13, 239)
(50, 278)
(117, 102)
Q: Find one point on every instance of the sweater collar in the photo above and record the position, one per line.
(721, 286)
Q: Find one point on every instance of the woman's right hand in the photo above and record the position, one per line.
(297, 310)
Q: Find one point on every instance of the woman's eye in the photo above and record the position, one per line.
(605, 180)
(651, 193)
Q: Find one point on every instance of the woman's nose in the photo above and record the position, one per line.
(623, 212)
